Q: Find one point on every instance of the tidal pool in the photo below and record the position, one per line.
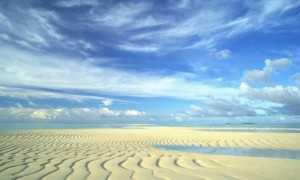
(251, 152)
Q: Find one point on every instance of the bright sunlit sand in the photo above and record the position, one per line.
(129, 153)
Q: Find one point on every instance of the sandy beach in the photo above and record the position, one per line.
(129, 153)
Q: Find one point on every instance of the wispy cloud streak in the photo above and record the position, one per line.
(19, 69)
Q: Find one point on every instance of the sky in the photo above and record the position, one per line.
(150, 61)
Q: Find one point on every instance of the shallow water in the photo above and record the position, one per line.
(254, 130)
(250, 152)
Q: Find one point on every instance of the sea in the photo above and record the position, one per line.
(282, 127)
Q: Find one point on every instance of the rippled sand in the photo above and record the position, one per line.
(129, 154)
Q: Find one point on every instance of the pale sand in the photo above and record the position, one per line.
(129, 154)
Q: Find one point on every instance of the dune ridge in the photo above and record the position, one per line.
(129, 154)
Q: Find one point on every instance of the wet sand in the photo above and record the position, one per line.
(128, 153)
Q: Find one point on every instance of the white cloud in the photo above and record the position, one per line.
(205, 23)
(4, 21)
(69, 114)
(134, 113)
(39, 114)
(87, 45)
(108, 112)
(107, 102)
(44, 28)
(14, 112)
(202, 69)
(219, 79)
(41, 28)
(120, 14)
(183, 3)
(289, 96)
(138, 48)
(222, 108)
(4, 37)
(261, 16)
(265, 75)
(296, 78)
(149, 21)
(74, 3)
(223, 54)
(279, 94)
(213, 25)
(19, 105)
(280, 99)
(27, 93)
(30, 103)
(18, 69)
(105, 115)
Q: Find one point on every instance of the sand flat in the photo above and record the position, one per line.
(129, 154)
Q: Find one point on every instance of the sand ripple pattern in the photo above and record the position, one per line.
(129, 154)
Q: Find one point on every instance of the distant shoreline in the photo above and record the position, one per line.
(48, 125)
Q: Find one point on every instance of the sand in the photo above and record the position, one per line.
(129, 154)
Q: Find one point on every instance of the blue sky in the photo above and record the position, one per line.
(150, 61)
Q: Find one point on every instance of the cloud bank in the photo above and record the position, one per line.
(75, 115)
